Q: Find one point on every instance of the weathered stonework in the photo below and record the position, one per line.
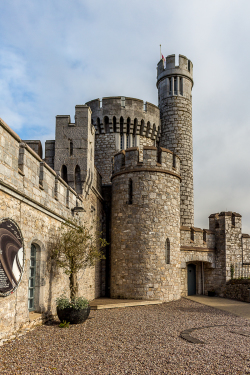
(107, 169)
(174, 85)
(141, 225)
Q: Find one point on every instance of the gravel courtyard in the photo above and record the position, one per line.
(135, 340)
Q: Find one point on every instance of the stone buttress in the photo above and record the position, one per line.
(145, 225)
(174, 85)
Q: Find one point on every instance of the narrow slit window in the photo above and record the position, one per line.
(78, 185)
(64, 173)
(175, 85)
(130, 192)
(170, 85)
(133, 141)
(114, 124)
(106, 124)
(181, 86)
(121, 142)
(233, 220)
(174, 161)
(167, 251)
(127, 141)
(71, 148)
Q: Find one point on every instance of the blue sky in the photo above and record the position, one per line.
(56, 54)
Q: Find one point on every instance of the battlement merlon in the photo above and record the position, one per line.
(153, 159)
(225, 220)
(184, 69)
(118, 104)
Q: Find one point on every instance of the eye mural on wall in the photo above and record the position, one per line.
(11, 256)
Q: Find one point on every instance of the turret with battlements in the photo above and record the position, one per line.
(145, 249)
(174, 85)
(121, 123)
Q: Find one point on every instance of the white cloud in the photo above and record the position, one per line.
(55, 55)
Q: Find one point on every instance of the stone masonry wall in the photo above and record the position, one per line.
(176, 135)
(38, 200)
(140, 229)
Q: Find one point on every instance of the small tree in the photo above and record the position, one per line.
(74, 248)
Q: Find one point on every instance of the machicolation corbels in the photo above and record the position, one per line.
(160, 160)
(125, 116)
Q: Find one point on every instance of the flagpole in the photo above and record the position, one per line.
(160, 51)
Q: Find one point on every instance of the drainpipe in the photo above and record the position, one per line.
(202, 271)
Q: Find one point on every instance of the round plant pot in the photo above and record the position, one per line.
(211, 293)
(73, 316)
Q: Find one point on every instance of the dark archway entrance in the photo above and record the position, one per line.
(191, 269)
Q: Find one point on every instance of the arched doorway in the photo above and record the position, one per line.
(191, 270)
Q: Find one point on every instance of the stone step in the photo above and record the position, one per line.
(111, 303)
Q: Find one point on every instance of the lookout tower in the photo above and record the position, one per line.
(174, 85)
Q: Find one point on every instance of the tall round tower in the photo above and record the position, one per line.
(174, 85)
(145, 247)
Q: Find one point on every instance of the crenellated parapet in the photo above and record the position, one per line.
(154, 160)
(145, 224)
(174, 83)
(125, 115)
(175, 80)
(29, 177)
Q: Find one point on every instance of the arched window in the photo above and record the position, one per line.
(153, 132)
(114, 124)
(174, 161)
(71, 148)
(167, 251)
(142, 127)
(32, 279)
(130, 191)
(78, 185)
(64, 174)
(106, 124)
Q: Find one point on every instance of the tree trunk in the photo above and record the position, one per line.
(73, 284)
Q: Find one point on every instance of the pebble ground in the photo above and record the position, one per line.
(135, 340)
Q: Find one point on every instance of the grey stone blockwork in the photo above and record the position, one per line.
(145, 216)
(175, 102)
(121, 123)
(124, 167)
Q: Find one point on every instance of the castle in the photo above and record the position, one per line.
(125, 167)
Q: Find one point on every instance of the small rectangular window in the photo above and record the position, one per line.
(121, 142)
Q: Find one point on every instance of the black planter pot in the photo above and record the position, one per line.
(73, 316)
(211, 293)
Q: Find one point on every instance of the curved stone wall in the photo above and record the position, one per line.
(122, 123)
(174, 85)
(145, 250)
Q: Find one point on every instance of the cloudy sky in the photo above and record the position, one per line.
(55, 54)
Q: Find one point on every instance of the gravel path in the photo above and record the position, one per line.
(135, 340)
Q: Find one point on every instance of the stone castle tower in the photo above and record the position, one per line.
(174, 85)
(145, 250)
